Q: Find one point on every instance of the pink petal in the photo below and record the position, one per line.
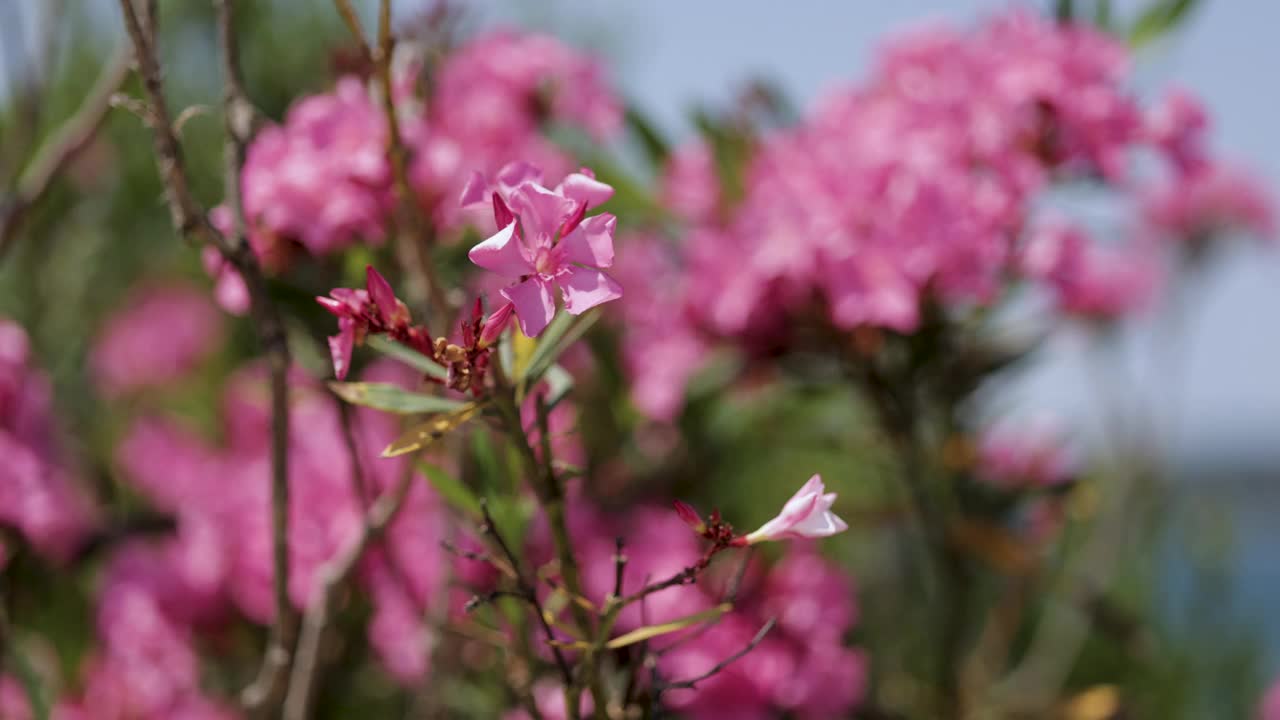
(592, 242)
(585, 288)
(514, 174)
(475, 191)
(341, 346)
(384, 298)
(535, 305)
(502, 253)
(584, 188)
(541, 211)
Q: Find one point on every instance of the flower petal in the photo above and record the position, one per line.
(475, 191)
(592, 242)
(502, 253)
(585, 288)
(341, 346)
(534, 304)
(585, 188)
(541, 212)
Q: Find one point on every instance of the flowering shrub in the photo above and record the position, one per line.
(470, 486)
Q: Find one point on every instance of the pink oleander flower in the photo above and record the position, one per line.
(806, 515)
(1177, 126)
(545, 241)
(376, 309)
(1270, 707)
(38, 496)
(321, 180)
(1026, 454)
(1088, 280)
(1216, 198)
(160, 335)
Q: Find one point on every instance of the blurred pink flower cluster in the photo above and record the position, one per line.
(802, 667)
(221, 554)
(1024, 454)
(160, 335)
(926, 183)
(322, 180)
(38, 497)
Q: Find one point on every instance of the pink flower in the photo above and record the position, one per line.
(806, 514)
(551, 245)
(1089, 281)
(376, 309)
(1024, 454)
(161, 334)
(1270, 707)
(1216, 198)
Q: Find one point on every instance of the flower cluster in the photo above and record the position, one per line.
(376, 310)
(926, 184)
(221, 553)
(546, 241)
(38, 497)
(802, 666)
(321, 181)
(160, 335)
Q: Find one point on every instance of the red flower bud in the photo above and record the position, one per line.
(690, 516)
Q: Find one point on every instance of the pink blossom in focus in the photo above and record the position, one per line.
(161, 334)
(806, 515)
(552, 246)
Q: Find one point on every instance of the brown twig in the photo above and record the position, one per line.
(190, 220)
(413, 256)
(63, 146)
(719, 667)
(526, 590)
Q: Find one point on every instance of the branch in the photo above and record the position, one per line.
(63, 146)
(413, 257)
(526, 590)
(332, 577)
(189, 219)
(692, 682)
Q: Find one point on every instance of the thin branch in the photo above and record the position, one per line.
(619, 566)
(333, 575)
(412, 249)
(692, 682)
(190, 220)
(63, 146)
(527, 589)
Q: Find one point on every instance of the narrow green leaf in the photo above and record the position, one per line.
(392, 398)
(652, 631)
(453, 490)
(408, 356)
(559, 383)
(1159, 19)
(557, 338)
(656, 147)
(30, 682)
(424, 434)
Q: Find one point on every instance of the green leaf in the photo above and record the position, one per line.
(1159, 19)
(408, 356)
(392, 398)
(559, 383)
(424, 434)
(453, 490)
(563, 331)
(1064, 11)
(656, 147)
(652, 631)
(30, 682)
